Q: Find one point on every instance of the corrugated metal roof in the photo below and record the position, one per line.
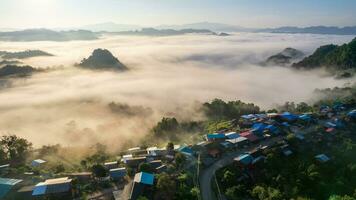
(215, 136)
(145, 178)
(39, 190)
(6, 184)
(50, 186)
(118, 172)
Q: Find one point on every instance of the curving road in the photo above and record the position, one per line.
(207, 175)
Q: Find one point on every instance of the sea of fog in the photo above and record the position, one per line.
(171, 75)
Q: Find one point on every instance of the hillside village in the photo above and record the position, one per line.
(147, 172)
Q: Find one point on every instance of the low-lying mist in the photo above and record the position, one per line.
(168, 76)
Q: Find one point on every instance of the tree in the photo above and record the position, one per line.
(167, 127)
(15, 149)
(235, 192)
(266, 193)
(219, 109)
(99, 170)
(170, 146)
(180, 160)
(166, 186)
(145, 167)
(48, 150)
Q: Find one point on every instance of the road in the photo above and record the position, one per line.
(207, 175)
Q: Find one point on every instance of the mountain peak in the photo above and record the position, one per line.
(102, 59)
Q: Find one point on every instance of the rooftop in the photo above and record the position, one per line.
(145, 178)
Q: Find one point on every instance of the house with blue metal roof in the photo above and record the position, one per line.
(61, 187)
(37, 162)
(186, 150)
(144, 178)
(352, 114)
(288, 116)
(244, 159)
(322, 158)
(6, 185)
(272, 129)
(215, 136)
(118, 173)
(141, 181)
(258, 128)
(231, 135)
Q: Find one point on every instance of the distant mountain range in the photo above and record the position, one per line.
(93, 32)
(109, 27)
(220, 27)
(332, 30)
(165, 32)
(47, 35)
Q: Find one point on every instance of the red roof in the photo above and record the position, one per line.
(244, 134)
(250, 136)
(329, 130)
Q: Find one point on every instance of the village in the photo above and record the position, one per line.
(133, 175)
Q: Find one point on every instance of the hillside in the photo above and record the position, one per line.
(333, 57)
(285, 57)
(23, 54)
(102, 59)
(17, 71)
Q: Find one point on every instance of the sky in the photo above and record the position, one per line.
(247, 13)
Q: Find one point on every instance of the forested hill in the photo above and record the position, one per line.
(331, 56)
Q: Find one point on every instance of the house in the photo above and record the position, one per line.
(6, 185)
(60, 187)
(258, 128)
(287, 116)
(161, 169)
(141, 181)
(244, 159)
(155, 151)
(136, 151)
(322, 158)
(4, 168)
(352, 114)
(287, 152)
(25, 192)
(155, 163)
(299, 136)
(186, 150)
(118, 173)
(250, 136)
(37, 162)
(272, 129)
(330, 130)
(238, 142)
(231, 135)
(135, 161)
(305, 118)
(126, 157)
(81, 176)
(215, 137)
(111, 165)
(258, 159)
(249, 117)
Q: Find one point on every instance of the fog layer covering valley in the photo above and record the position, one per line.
(169, 75)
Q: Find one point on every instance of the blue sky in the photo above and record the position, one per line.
(248, 13)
